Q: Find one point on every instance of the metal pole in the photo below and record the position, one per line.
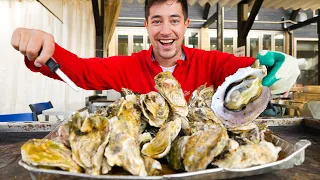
(220, 27)
(99, 23)
(318, 30)
(241, 22)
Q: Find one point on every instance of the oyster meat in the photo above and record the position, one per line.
(49, 154)
(241, 98)
(249, 155)
(155, 108)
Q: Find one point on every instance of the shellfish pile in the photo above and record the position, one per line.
(141, 130)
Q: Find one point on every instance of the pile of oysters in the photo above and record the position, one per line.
(143, 132)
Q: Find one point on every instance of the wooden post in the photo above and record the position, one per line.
(204, 40)
(287, 42)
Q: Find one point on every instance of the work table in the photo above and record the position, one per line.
(10, 144)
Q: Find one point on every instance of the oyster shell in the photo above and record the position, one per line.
(110, 111)
(241, 98)
(160, 146)
(154, 108)
(201, 119)
(201, 97)
(129, 113)
(262, 153)
(247, 134)
(175, 156)
(123, 148)
(47, 153)
(202, 147)
(144, 138)
(170, 89)
(153, 167)
(88, 143)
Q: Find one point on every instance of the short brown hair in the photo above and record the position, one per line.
(149, 3)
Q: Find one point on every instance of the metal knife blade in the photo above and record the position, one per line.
(55, 68)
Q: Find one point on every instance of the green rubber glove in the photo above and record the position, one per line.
(283, 71)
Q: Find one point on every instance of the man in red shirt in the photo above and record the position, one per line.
(166, 22)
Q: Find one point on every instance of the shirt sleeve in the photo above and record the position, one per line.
(87, 73)
(226, 64)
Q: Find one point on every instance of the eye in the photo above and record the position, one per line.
(156, 22)
(175, 21)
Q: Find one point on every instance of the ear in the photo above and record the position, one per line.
(186, 24)
(145, 23)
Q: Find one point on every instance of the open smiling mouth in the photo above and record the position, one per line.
(166, 42)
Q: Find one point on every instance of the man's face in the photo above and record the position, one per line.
(166, 28)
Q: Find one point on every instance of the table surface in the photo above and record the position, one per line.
(64, 111)
(10, 144)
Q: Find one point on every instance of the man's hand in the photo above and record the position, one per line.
(31, 41)
(283, 71)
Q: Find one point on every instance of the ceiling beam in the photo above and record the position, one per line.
(211, 20)
(206, 11)
(304, 23)
(294, 14)
(248, 24)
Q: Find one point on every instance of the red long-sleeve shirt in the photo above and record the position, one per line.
(137, 71)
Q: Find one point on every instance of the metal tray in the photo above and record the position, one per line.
(289, 156)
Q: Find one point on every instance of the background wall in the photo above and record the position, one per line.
(196, 12)
(20, 87)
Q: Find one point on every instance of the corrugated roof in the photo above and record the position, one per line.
(285, 4)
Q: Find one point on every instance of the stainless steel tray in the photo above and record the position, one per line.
(290, 155)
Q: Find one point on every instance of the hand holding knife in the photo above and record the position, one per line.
(55, 68)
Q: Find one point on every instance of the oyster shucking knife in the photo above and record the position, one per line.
(55, 68)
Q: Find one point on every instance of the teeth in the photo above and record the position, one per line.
(166, 41)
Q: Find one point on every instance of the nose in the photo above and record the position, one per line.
(166, 29)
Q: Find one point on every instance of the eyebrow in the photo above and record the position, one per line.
(158, 16)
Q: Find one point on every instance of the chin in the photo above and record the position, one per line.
(168, 54)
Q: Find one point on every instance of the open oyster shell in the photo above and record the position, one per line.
(241, 98)
(170, 89)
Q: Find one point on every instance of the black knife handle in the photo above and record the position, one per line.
(52, 65)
